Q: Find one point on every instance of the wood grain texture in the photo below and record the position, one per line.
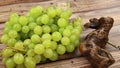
(78, 63)
(8, 2)
(84, 8)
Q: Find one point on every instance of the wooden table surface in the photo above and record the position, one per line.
(86, 9)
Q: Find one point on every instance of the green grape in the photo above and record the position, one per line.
(62, 22)
(29, 62)
(54, 57)
(38, 30)
(54, 28)
(30, 19)
(77, 43)
(66, 14)
(46, 29)
(37, 58)
(39, 49)
(69, 12)
(45, 19)
(67, 32)
(56, 36)
(65, 41)
(35, 38)
(76, 32)
(11, 42)
(18, 58)
(7, 29)
(51, 12)
(19, 46)
(77, 22)
(36, 11)
(25, 29)
(31, 45)
(54, 45)
(70, 48)
(79, 28)
(10, 63)
(39, 21)
(70, 27)
(20, 66)
(30, 53)
(27, 42)
(23, 20)
(32, 26)
(4, 38)
(51, 21)
(73, 38)
(46, 37)
(48, 53)
(14, 18)
(59, 10)
(4, 60)
(14, 15)
(7, 52)
(7, 24)
(61, 49)
(17, 27)
(47, 43)
(61, 30)
(12, 34)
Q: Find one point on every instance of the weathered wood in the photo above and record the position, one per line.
(78, 63)
(8, 2)
(84, 8)
(76, 5)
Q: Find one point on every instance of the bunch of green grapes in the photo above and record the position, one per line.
(40, 35)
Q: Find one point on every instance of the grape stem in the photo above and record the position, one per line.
(117, 47)
(15, 50)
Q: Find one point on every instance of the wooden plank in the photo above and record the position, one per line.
(84, 8)
(78, 63)
(8, 2)
(76, 5)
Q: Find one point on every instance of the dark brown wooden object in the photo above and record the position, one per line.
(93, 47)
